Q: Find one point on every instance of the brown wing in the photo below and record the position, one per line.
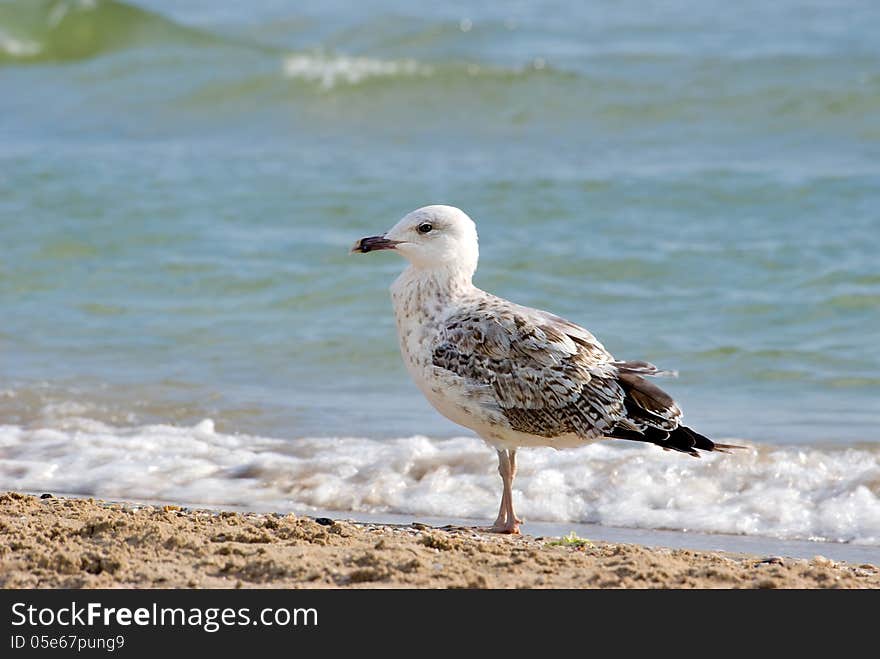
(549, 377)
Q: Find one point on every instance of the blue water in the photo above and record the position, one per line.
(180, 184)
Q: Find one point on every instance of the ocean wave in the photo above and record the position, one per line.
(69, 30)
(792, 493)
(331, 70)
(18, 48)
(600, 82)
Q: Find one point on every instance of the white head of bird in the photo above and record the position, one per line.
(433, 238)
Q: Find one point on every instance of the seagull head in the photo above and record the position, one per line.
(431, 238)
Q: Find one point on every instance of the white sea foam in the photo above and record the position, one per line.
(332, 70)
(18, 47)
(781, 492)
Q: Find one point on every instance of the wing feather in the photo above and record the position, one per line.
(549, 377)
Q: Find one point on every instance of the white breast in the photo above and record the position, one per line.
(420, 308)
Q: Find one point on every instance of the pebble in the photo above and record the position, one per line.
(773, 560)
(324, 521)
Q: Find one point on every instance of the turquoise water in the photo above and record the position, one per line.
(180, 184)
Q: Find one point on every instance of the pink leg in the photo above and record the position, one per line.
(512, 515)
(507, 521)
(503, 468)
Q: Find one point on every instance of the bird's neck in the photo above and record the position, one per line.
(422, 293)
(422, 300)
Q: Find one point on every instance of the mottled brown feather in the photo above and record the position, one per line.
(550, 377)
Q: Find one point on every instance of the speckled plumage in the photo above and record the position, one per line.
(516, 376)
(533, 372)
(548, 377)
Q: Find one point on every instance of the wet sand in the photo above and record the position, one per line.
(83, 543)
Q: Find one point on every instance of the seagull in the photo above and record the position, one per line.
(516, 376)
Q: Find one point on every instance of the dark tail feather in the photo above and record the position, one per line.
(725, 448)
(682, 439)
(681, 443)
(699, 441)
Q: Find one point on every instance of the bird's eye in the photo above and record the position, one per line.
(425, 227)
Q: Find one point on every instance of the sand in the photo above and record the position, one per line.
(83, 543)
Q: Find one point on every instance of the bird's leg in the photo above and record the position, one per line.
(507, 521)
(511, 454)
(503, 468)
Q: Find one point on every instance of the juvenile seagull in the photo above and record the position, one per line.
(516, 376)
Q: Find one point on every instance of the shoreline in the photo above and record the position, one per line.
(757, 545)
(68, 542)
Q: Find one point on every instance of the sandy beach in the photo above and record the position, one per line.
(184, 324)
(85, 543)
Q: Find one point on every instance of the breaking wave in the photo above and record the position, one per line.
(67, 30)
(784, 492)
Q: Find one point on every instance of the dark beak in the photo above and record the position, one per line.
(373, 243)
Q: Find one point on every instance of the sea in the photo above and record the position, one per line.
(181, 182)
